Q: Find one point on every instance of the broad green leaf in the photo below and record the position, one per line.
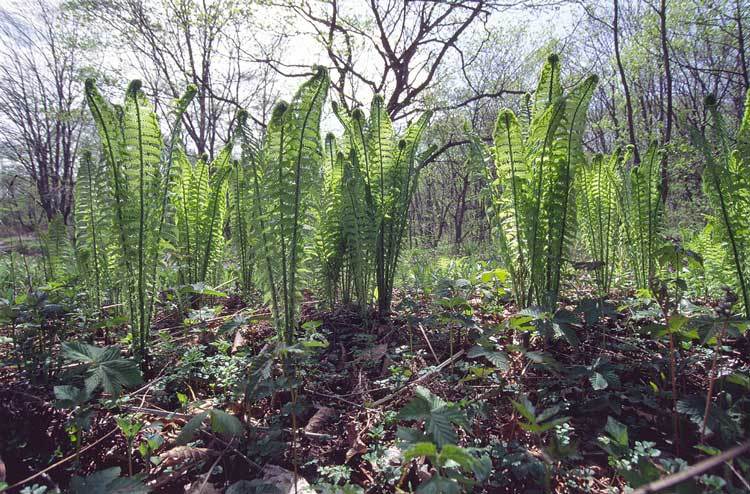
(496, 357)
(525, 408)
(421, 449)
(459, 455)
(598, 381)
(190, 429)
(617, 431)
(107, 482)
(225, 424)
(440, 485)
(439, 416)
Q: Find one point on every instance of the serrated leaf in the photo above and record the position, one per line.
(188, 431)
(70, 396)
(80, 352)
(525, 408)
(459, 455)
(411, 436)
(598, 381)
(106, 367)
(107, 482)
(497, 358)
(225, 424)
(439, 416)
(617, 431)
(220, 422)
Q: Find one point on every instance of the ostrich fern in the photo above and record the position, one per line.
(531, 193)
(199, 198)
(598, 187)
(284, 172)
(380, 182)
(727, 184)
(641, 211)
(56, 250)
(139, 173)
(330, 236)
(240, 212)
(93, 227)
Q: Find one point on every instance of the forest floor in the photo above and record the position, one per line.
(348, 392)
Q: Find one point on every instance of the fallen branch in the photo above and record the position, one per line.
(185, 416)
(690, 472)
(418, 380)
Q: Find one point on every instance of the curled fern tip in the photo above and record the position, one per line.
(279, 110)
(241, 116)
(134, 86)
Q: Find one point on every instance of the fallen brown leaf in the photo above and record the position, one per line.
(181, 454)
(318, 421)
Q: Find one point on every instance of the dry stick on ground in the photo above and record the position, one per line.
(690, 472)
(436, 370)
(712, 378)
(216, 462)
(186, 416)
(426, 339)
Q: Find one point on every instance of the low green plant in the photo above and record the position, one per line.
(107, 481)
(130, 426)
(219, 421)
(538, 423)
(103, 368)
(457, 469)
(635, 463)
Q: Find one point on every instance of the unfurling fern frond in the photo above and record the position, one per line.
(727, 184)
(532, 195)
(93, 227)
(598, 189)
(139, 174)
(641, 210)
(285, 173)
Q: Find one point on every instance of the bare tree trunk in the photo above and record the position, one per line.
(461, 212)
(625, 88)
(667, 115)
(741, 48)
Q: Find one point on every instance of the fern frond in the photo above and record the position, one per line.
(727, 185)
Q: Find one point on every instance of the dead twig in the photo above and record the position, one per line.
(418, 380)
(694, 470)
